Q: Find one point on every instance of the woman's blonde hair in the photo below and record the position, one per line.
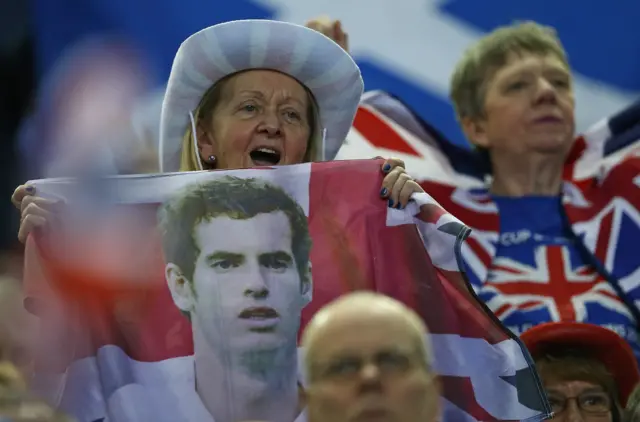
(189, 157)
(490, 53)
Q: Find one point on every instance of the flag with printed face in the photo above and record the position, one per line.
(172, 297)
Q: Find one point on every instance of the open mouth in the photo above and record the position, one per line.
(259, 313)
(260, 319)
(264, 156)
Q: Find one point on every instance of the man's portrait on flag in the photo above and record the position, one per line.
(199, 318)
(237, 253)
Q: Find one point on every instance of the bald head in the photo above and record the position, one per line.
(356, 310)
(366, 356)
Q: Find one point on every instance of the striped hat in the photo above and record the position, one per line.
(314, 60)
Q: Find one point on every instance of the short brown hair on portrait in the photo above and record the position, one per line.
(229, 196)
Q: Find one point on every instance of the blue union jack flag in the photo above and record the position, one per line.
(552, 286)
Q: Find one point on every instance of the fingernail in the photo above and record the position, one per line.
(390, 203)
(386, 167)
(383, 192)
(399, 206)
(30, 189)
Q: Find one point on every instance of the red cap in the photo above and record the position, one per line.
(605, 345)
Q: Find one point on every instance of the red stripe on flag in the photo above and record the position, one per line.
(578, 148)
(380, 134)
(602, 244)
(485, 221)
(430, 213)
(479, 251)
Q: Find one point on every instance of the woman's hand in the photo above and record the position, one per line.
(397, 185)
(35, 211)
(330, 28)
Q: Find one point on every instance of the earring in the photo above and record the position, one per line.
(212, 159)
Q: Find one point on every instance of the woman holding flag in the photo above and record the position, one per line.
(241, 94)
(231, 103)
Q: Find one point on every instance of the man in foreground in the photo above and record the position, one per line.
(367, 357)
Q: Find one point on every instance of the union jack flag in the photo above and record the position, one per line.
(601, 199)
(551, 283)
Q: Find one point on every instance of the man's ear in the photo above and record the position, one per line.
(181, 290)
(475, 131)
(307, 287)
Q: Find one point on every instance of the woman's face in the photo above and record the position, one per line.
(528, 107)
(261, 119)
(579, 401)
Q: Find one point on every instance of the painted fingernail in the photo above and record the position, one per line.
(386, 167)
(399, 206)
(383, 192)
(30, 189)
(390, 203)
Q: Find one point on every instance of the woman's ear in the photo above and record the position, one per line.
(205, 141)
(475, 131)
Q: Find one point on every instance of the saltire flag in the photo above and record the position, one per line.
(141, 282)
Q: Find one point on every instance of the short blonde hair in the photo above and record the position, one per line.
(211, 98)
(480, 62)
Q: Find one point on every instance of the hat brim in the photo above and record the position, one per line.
(211, 54)
(603, 344)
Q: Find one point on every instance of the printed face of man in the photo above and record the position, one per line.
(247, 289)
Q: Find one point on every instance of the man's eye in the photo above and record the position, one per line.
(223, 264)
(393, 362)
(344, 367)
(278, 264)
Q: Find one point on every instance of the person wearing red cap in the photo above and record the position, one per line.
(588, 371)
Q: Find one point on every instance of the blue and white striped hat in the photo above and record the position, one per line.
(209, 55)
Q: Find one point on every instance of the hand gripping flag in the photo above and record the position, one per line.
(141, 282)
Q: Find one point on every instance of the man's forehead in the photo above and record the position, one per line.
(264, 228)
(365, 334)
(365, 350)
